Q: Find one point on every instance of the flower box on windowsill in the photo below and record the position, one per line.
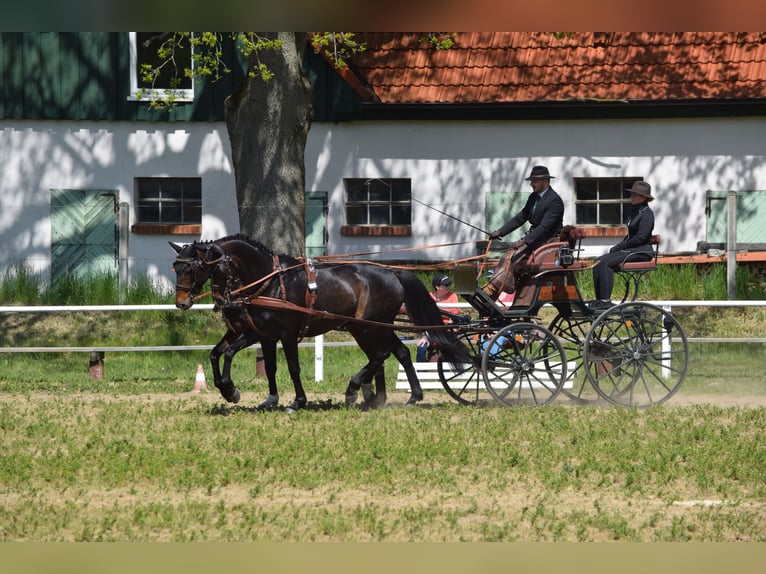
(167, 228)
(376, 230)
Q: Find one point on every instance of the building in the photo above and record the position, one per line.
(413, 151)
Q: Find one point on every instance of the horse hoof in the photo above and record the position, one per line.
(413, 400)
(296, 405)
(271, 403)
(351, 398)
(235, 396)
(367, 394)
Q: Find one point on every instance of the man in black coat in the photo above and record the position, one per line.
(544, 211)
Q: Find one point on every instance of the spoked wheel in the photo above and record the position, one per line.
(636, 355)
(523, 364)
(464, 384)
(571, 332)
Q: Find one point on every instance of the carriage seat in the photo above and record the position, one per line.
(545, 257)
(642, 266)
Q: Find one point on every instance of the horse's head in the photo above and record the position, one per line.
(222, 272)
(191, 273)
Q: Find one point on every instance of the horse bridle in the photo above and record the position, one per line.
(221, 265)
(195, 266)
(224, 264)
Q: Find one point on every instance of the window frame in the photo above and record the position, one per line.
(139, 94)
(368, 204)
(185, 203)
(625, 182)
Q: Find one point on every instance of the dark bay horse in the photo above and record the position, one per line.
(191, 276)
(362, 298)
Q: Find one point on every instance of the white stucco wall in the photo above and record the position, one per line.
(36, 157)
(452, 165)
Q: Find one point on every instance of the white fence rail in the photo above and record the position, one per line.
(318, 342)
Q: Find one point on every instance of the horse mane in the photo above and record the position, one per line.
(252, 242)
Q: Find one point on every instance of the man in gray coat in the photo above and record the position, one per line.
(544, 211)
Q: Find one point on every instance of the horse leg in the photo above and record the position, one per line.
(226, 385)
(269, 348)
(290, 349)
(380, 387)
(362, 380)
(215, 356)
(402, 354)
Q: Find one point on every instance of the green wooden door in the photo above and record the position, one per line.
(83, 232)
(316, 223)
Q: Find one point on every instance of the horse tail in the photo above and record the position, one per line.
(424, 312)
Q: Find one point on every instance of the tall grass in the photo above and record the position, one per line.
(20, 285)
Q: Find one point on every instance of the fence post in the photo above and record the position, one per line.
(666, 349)
(731, 244)
(319, 358)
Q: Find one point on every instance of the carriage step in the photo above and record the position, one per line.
(428, 375)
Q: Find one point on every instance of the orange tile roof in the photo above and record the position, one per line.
(537, 66)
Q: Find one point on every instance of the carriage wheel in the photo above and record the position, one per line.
(636, 355)
(524, 364)
(571, 332)
(464, 384)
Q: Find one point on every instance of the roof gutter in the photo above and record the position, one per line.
(566, 109)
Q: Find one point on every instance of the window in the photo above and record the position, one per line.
(602, 201)
(172, 80)
(171, 200)
(378, 201)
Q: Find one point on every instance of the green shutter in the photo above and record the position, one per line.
(83, 232)
(316, 223)
(751, 213)
(500, 207)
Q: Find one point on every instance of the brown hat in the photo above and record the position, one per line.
(642, 188)
(539, 172)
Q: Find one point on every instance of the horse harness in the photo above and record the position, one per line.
(257, 298)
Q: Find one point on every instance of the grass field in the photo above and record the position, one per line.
(135, 457)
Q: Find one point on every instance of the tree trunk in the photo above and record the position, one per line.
(268, 124)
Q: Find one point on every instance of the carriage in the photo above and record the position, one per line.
(634, 354)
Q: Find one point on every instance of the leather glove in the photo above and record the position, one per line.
(517, 244)
(494, 235)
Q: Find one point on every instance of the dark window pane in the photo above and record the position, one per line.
(585, 189)
(192, 212)
(356, 215)
(171, 188)
(610, 189)
(379, 215)
(148, 214)
(585, 214)
(171, 213)
(400, 215)
(354, 195)
(147, 44)
(610, 214)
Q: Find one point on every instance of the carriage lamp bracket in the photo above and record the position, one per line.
(565, 257)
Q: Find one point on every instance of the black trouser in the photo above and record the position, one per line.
(606, 265)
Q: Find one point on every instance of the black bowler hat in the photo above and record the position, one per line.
(539, 172)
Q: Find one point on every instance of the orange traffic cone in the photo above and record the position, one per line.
(199, 381)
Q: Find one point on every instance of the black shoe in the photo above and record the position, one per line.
(599, 305)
